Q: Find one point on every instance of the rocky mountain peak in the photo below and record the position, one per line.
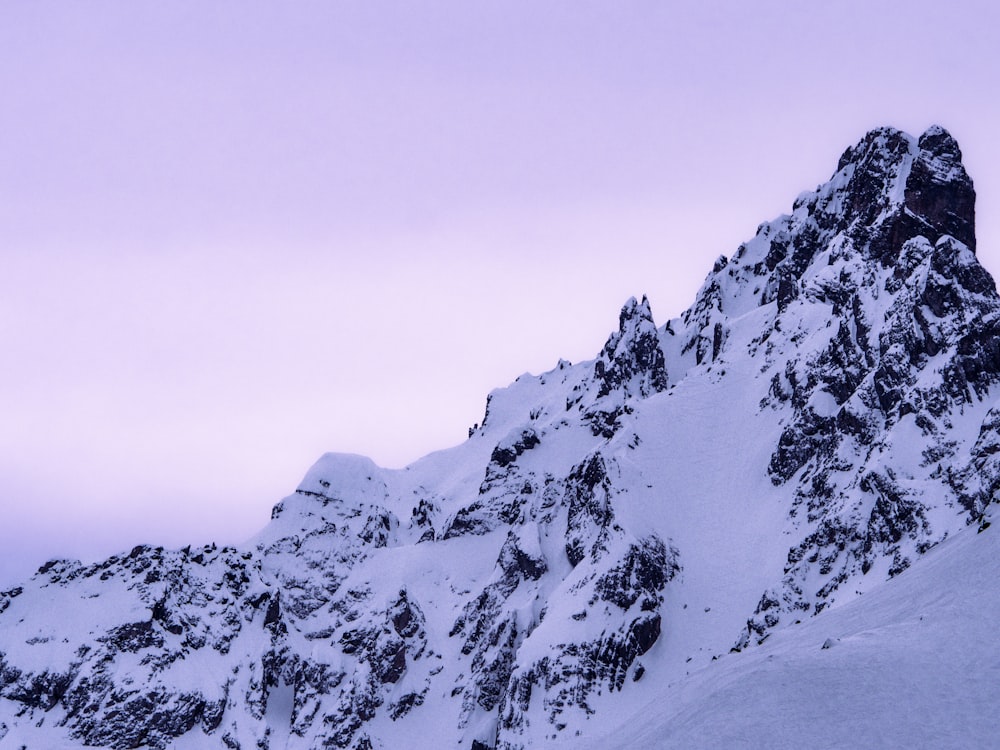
(830, 415)
(889, 189)
(894, 187)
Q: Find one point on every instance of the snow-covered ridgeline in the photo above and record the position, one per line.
(818, 419)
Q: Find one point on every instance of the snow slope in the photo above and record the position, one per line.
(914, 663)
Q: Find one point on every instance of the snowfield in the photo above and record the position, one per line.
(913, 663)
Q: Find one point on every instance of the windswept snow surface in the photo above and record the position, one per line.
(915, 663)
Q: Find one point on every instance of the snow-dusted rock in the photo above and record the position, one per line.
(822, 415)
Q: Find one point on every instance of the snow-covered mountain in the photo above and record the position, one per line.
(631, 551)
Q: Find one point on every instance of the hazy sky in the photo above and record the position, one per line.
(236, 235)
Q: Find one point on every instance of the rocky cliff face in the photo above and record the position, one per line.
(884, 333)
(823, 414)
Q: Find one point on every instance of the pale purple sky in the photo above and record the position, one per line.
(236, 235)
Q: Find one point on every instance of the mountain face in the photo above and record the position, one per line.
(824, 414)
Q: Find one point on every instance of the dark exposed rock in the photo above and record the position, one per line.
(606, 423)
(143, 718)
(490, 631)
(505, 453)
(580, 670)
(589, 508)
(423, 516)
(631, 358)
(163, 616)
(405, 704)
(43, 690)
(385, 648)
(273, 614)
(643, 573)
(518, 565)
(406, 619)
(939, 191)
(378, 527)
(477, 518)
(134, 636)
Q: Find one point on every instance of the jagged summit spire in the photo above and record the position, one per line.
(631, 358)
(939, 141)
(634, 309)
(895, 187)
(887, 139)
(889, 189)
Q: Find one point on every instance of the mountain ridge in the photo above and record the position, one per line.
(820, 417)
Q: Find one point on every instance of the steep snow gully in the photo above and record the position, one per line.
(756, 525)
